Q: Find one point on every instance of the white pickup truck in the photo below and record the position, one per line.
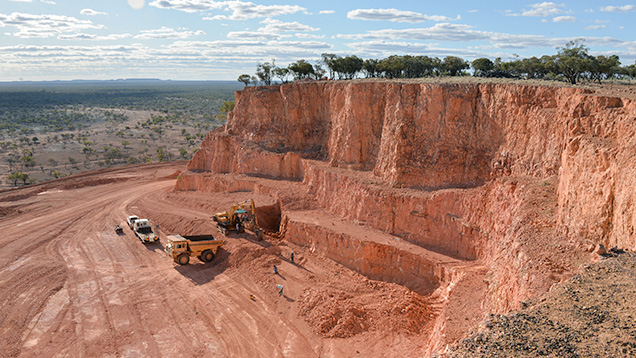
(142, 228)
(130, 220)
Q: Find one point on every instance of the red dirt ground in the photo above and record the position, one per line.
(72, 287)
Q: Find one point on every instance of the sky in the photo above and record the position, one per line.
(43, 40)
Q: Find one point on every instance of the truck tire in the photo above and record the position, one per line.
(183, 259)
(207, 256)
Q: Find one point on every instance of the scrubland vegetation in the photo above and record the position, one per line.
(53, 129)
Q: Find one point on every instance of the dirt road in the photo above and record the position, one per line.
(72, 287)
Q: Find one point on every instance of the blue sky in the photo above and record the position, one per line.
(219, 40)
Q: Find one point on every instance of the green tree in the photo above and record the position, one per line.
(454, 65)
(328, 60)
(319, 72)
(15, 177)
(264, 72)
(392, 66)
(183, 152)
(573, 60)
(27, 158)
(351, 65)
(370, 68)
(246, 79)
(226, 107)
(301, 69)
(281, 73)
(603, 67)
(483, 66)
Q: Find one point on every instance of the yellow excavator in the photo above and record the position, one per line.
(241, 216)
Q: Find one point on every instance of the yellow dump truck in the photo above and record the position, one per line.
(181, 247)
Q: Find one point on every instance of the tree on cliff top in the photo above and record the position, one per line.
(483, 66)
(454, 65)
(603, 67)
(301, 69)
(264, 72)
(245, 78)
(573, 60)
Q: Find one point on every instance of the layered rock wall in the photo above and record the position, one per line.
(432, 136)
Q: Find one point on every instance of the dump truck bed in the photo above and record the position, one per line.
(197, 238)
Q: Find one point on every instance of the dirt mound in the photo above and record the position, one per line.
(375, 306)
(333, 314)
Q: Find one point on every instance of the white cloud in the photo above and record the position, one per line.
(473, 11)
(301, 35)
(240, 10)
(543, 9)
(167, 33)
(50, 2)
(465, 33)
(623, 8)
(595, 27)
(384, 49)
(394, 15)
(564, 19)
(255, 35)
(327, 12)
(277, 26)
(272, 30)
(188, 5)
(42, 26)
(91, 12)
(92, 37)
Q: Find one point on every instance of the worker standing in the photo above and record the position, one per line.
(275, 270)
(292, 257)
(280, 289)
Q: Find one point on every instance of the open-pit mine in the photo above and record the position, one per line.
(414, 211)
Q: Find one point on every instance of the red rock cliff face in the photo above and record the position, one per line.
(416, 135)
(482, 172)
(431, 136)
